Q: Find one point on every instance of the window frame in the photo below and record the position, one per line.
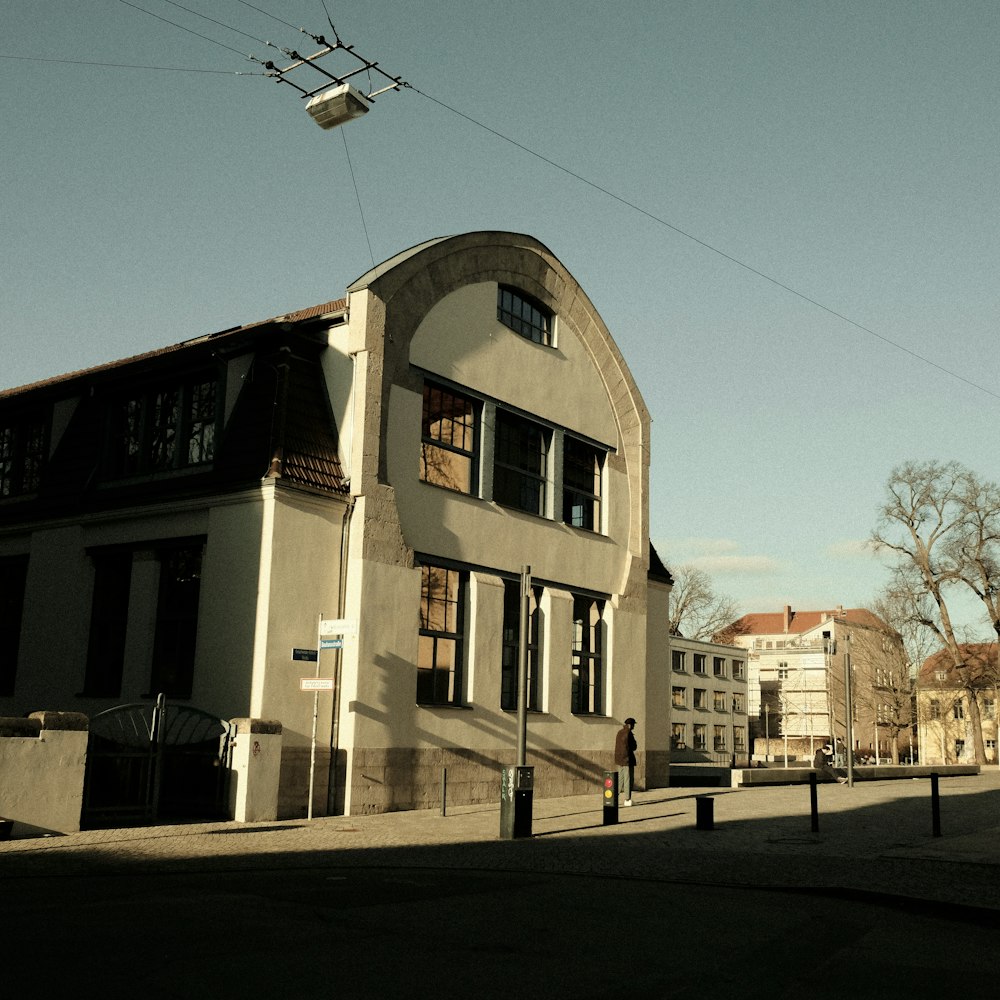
(525, 315)
(510, 654)
(467, 451)
(577, 455)
(454, 612)
(24, 452)
(520, 469)
(587, 656)
(164, 427)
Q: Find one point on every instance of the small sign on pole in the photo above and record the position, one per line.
(315, 683)
(308, 655)
(338, 626)
(331, 644)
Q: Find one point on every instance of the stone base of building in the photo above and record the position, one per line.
(388, 780)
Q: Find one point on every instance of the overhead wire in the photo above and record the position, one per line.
(708, 246)
(109, 65)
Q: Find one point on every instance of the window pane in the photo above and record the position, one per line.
(448, 439)
(521, 457)
(525, 316)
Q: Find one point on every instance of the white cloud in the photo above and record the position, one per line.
(716, 556)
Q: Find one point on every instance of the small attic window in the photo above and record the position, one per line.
(524, 315)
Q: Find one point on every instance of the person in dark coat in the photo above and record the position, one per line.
(625, 747)
(821, 764)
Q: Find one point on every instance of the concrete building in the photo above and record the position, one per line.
(180, 522)
(708, 703)
(796, 673)
(944, 718)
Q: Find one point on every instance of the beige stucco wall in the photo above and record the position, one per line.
(437, 312)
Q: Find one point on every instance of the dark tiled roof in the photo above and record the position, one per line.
(980, 658)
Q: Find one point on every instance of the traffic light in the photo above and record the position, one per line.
(609, 792)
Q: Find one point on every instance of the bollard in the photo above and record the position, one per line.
(704, 807)
(444, 791)
(935, 806)
(813, 804)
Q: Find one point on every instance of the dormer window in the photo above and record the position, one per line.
(167, 427)
(524, 315)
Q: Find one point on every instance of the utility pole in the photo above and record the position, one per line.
(522, 667)
(850, 713)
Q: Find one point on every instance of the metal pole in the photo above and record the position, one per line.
(312, 752)
(813, 803)
(522, 667)
(935, 806)
(850, 716)
(444, 791)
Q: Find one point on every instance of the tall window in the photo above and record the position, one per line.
(699, 663)
(700, 698)
(448, 439)
(719, 666)
(520, 463)
(719, 701)
(719, 738)
(935, 708)
(739, 703)
(511, 646)
(959, 708)
(168, 427)
(738, 669)
(439, 649)
(739, 738)
(108, 623)
(678, 735)
(176, 620)
(23, 444)
(677, 657)
(588, 656)
(581, 484)
(700, 737)
(13, 577)
(524, 315)
(679, 697)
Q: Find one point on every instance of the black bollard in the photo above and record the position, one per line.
(704, 807)
(813, 804)
(935, 805)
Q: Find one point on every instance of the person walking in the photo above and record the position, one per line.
(625, 747)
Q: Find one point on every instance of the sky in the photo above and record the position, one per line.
(786, 213)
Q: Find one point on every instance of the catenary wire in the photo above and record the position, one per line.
(708, 246)
(357, 195)
(168, 69)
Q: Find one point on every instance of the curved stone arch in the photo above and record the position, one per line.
(407, 286)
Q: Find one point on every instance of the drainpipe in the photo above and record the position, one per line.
(345, 534)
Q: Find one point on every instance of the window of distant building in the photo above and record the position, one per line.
(176, 633)
(739, 703)
(510, 656)
(164, 428)
(719, 666)
(524, 315)
(940, 675)
(720, 701)
(738, 669)
(719, 738)
(582, 466)
(989, 709)
(699, 663)
(449, 439)
(679, 696)
(677, 658)
(520, 463)
(23, 449)
(13, 578)
(959, 749)
(588, 656)
(440, 646)
(739, 738)
(700, 698)
(959, 708)
(700, 737)
(678, 735)
(935, 708)
(782, 671)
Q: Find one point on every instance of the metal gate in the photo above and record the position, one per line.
(152, 763)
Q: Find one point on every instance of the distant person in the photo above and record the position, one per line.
(821, 764)
(625, 747)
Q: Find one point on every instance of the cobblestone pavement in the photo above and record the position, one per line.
(875, 838)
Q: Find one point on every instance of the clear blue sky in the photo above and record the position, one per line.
(847, 150)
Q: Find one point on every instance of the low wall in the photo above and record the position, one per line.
(42, 763)
(800, 775)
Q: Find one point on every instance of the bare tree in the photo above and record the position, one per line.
(882, 684)
(696, 611)
(926, 522)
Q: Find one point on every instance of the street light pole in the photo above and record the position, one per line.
(522, 667)
(848, 696)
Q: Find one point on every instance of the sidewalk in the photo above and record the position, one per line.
(873, 839)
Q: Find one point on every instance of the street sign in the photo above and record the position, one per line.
(338, 626)
(311, 655)
(331, 644)
(315, 683)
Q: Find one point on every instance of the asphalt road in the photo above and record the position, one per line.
(385, 932)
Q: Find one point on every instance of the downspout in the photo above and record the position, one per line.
(345, 534)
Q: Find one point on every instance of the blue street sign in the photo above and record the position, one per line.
(331, 643)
